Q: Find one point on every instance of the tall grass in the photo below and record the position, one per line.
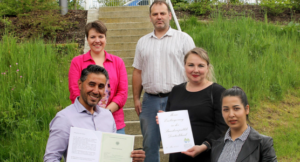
(34, 86)
(264, 60)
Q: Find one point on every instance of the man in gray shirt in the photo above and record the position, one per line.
(84, 113)
(158, 67)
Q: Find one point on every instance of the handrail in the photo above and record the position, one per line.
(174, 15)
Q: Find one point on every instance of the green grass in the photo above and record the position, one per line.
(33, 88)
(264, 60)
(261, 58)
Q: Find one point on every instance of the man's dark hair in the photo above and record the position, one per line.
(93, 69)
(159, 2)
(236, 91)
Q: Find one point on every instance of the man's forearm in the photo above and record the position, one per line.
(137, 83)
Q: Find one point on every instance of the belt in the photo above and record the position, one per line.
(160, 94)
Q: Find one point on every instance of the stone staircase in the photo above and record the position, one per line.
(125, 26)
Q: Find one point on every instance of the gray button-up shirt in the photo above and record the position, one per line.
(232, 149)
(75, 115)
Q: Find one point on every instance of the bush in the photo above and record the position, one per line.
(197, 8)
(276, 7)
(15, 7)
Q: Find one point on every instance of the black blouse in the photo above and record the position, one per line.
(204, 108)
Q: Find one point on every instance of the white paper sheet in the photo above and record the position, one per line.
(175, 131)
(95, 146)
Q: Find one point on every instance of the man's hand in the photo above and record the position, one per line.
(138, 155)
(138, 106)
(195, 150)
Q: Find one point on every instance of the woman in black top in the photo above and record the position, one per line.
(201, 97)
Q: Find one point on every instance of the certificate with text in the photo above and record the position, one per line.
(96, 146)
(175, 130)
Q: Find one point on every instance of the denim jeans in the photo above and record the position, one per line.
(150, 130)
(121, 131)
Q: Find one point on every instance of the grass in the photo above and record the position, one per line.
(261, 58)
(34, 87)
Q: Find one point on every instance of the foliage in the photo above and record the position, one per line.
(276, 7)
(43, 23)
(15, 7)
(35, 87)
(75, 4)
(197, 8)
(112, 2)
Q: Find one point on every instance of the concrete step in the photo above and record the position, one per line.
(122, 53)
(163, 157)
(120, 46)
(130, 94)
(129, 103)
(133, 127)
(128, 32)
(129, 77)
(128, 61)
(116, 39)
(124, 8)
(129, 69)
(126, 19)
(138, 142)
(129, 25)
(112, 14)
(130, 114)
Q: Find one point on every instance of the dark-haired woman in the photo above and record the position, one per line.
(201, 97)
(241, 142)
(117, 86)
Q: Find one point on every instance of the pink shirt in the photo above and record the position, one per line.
(117, 77)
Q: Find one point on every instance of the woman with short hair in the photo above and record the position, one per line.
(116, 89)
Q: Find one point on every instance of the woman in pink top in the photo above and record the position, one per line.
(117, 86)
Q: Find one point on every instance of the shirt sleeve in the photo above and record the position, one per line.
(74, 75)
(58, 139)
(120, 97)
(188, 44)
(137, 62)
(220, 125)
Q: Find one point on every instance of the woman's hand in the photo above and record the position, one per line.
(159, 111)
(195, 150)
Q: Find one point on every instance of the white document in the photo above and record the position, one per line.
(175, 130)
(95, 146)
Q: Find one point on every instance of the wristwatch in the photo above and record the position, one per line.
(207, 145)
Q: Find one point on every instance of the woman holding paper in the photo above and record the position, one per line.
(201, 97)
(241, 141)
(116, 89)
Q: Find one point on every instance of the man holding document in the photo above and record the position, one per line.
(85, 114)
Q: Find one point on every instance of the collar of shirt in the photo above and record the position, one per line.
(170, 33)
(243, 137)
(88, 57)
(80, 108)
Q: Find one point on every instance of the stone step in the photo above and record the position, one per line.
(112, 14)
(129, 25)
(129, 77)
(130, 114)
(128, 62)
(126, 19)
(124, 8)
(131, 94)
(138, 142)
(163, 157)
(133, 127)
(128, 32)
(120, 46)
(129, 103)
(129, 69)
(116, 39)
(122, 53)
